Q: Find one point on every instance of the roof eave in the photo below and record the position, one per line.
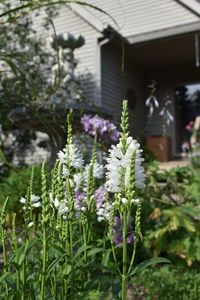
(104, 28)
(192, 5)
(92, 20)
(164, 33)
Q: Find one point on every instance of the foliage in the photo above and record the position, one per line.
(25, 65)
(74, 242)
(192, 189)
(148, 154)
(192, 149)
(14, 185)
(34, 79)
(173, 217)
(168, 282)
(176, 231)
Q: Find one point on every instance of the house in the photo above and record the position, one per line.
(134, 42)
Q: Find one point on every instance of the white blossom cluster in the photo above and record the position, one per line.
(76, 161)
(60, 206)
(54, 202)
(34, 201)
(98, 170)
(117, 160)
(80, 179)
(63, 208)
(103, 213)
(75, 158)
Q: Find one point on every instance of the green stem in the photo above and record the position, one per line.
(16, 251)
(23, 280)
(4, 248)
(71, 257)
(115, 259)
(133, 256)
(44, 263)
(124, 272)
(85, 243)
(67, 256)
(4, 255)
(124, 284)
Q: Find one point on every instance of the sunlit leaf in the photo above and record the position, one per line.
(149, 263)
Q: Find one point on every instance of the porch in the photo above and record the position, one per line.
(173, 63)
(173, 164)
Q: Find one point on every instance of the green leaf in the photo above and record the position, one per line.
(3, 277)
(54, 262)
(95, 281)
(147, 263)
(11, 259)
(105, 258)
(16, 266)
(3, 158)
(81, 250)
(94, 251)
(99, 266)
(24, 250)
(58, 248)
(68, 270)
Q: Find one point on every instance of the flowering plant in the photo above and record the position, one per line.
(78, 227)
(105, 130)
(193, 152)
(190, 126)
(166, 114)
(152, 102)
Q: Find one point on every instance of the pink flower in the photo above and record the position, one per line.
(187, 127)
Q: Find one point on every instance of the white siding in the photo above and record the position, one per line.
(115, 84)
(138, 16)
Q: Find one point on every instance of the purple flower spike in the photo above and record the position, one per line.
(85, 120)
(117, 232)
(118, 221)
(99, 196)
(106, 131)
(79, 196)
(130, 238)
(118, 240)
(79, 200)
